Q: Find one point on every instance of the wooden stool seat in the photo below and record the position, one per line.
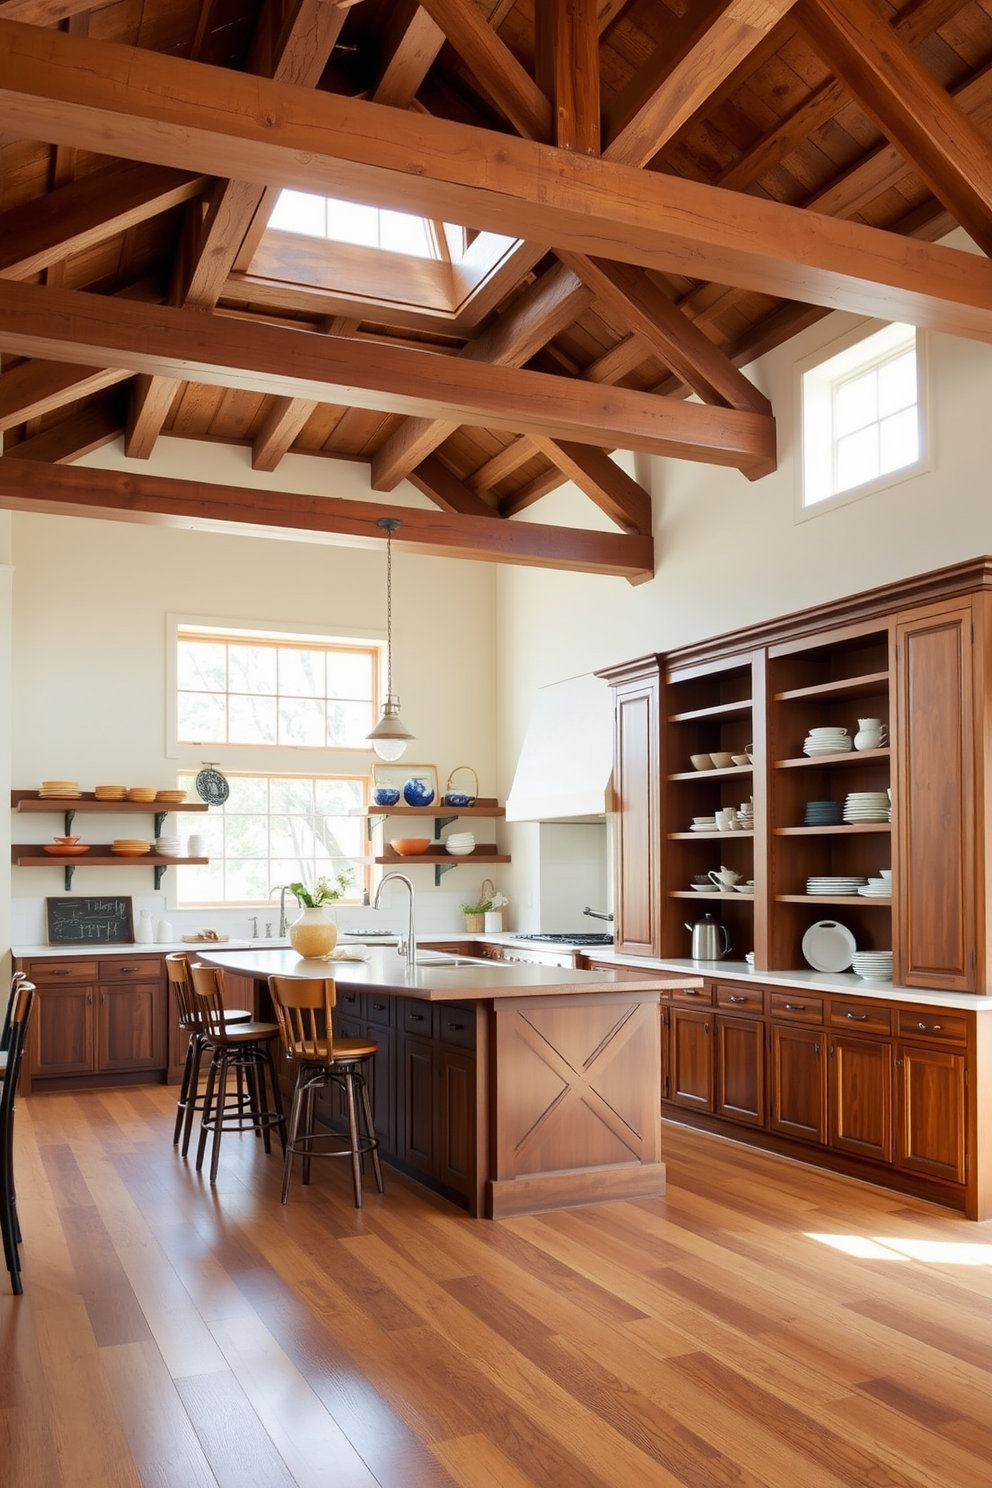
(190, 1096)
(304, 1008)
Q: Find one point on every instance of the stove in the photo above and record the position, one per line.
(581, 938)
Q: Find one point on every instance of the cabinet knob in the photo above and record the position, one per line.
(858, 1017)
(706, 1028)
(816, 1050)
(736, 999)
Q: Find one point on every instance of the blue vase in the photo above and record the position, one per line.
(385, 795)
(418, 791)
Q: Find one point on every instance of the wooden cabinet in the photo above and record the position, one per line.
(740, 1069)
(636, 790)
(691, 1059)
(96, 1022)
(931, 1122)
(860, 1096)
(437, 1093)
(367, 1015)
(798, 1083)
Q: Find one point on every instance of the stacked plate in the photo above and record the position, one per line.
(867, 806)
(130, 847)
(176, 797)
(703, 824)
(110, 792)
(827, 741)
(142, 793)
(876, 888)
(460, 844)
(168, 847)
(824, 813)
(873, 966)
(835, 885)
(59, 790)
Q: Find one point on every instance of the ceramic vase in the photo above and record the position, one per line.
(314, 933)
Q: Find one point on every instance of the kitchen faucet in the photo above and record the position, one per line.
(411, 931)
(283, 891)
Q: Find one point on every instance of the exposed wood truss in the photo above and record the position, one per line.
(689, 184)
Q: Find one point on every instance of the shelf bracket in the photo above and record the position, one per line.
(69, 818)
(371, 823)
(440, 869)
(158, 870)
(159, 824)
(440, 822)
(70, 868)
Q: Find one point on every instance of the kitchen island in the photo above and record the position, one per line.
(508, 1088)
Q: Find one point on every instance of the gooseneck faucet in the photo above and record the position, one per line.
(283, 891)
(411, 929)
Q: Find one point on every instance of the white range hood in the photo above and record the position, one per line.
(565, 768)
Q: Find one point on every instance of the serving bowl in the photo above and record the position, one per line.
(701, 761)
(385, 795)
(722, 760)
(409, 847)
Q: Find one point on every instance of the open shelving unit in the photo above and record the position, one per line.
(442, 816)
(33, 854)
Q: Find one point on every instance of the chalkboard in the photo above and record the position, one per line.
(90, 921)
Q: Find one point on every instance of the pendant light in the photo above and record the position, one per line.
(390, 737)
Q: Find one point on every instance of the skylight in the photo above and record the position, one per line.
(367, 227)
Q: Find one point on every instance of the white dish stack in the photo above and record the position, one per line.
(460, 844)
(835, 885)
(873, 966)
(827, 741)
(867, 806)
(168, 847)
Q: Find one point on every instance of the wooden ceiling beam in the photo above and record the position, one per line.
(701, 50)
(496, 469)
(287, 416)
(100, 422)
(142, 105)
(124, 496)
(225, 352)
(434, 480)
(546, 308)
(412, 43)
(39, 386)
(566, 43)
(610, 488)
(42, 12)
(914, 112)
(495, 66)
(88, 211)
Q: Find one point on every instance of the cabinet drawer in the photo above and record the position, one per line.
(740, 998)
(129, 968)
(860, 1017)
(379, 1009)
(693, 996)
(45, 973)
(932, 1023)
(456, 1025)
(797, 1007)
(418, 1018)
(349, 1003)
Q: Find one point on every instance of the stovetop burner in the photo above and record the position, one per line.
(581, 938)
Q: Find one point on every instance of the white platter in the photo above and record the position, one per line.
(828, 946)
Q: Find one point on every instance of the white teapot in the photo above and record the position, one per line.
(723, 878)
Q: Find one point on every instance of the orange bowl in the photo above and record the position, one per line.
(410, 847)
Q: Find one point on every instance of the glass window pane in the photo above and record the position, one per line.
(855, 403)
(857, 458)
(401, 233)
(202, 718)
(245, 836)
(897, 384)
(201, 666)
(252, 668)
(301, 722)
(210, 827)
(348, 725)
(251, 720)
(349, 674)
(899, 440)
(291, 836)
(248, 793)
(349, 222)
(292, 795)
(337, 797)
(301, 673)
(300, 212)
(291, 870)
(245, 878)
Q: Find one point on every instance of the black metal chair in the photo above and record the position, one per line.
(21, 1002)
(15, 982)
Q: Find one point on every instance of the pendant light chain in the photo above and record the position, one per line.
(389, 614)
(390, 735)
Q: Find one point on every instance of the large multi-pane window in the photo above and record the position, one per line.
(250, 691)
(862, 415)
(368, 227)
(276, 829)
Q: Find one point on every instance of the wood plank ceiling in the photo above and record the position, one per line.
(655, 194)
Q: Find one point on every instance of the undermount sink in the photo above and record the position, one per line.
(440, 958)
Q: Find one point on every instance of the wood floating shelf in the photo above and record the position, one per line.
(712, 774)
(871, 682)
(33, 855)
(483, 807)
(86, 801)
(718, 711)
(850, 757)
(833, 899)
(442, 862)
(847, 829)
(704, 836)
(706, 894)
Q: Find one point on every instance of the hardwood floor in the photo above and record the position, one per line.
(765, 1324)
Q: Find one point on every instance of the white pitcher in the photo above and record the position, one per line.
(872, 734)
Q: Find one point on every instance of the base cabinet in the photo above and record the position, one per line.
(798, 1106)
(930, 1131)
(690, 1049)
(740, 1070)
(860, 1096)
(436, 1091)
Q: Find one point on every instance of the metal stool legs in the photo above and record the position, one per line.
(310, 1079)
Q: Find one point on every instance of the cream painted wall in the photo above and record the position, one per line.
(90, 600)
(730, 553)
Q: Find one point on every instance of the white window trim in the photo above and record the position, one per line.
(803, 511)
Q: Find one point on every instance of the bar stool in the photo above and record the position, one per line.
(304, 1007)
(190, 1096)
(244, 1050)
(15, 981)
(21, 1002)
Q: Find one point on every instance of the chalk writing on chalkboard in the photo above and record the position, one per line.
(90, 921)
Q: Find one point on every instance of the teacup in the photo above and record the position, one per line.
(723, 878)
(885, 873)
(725, 819)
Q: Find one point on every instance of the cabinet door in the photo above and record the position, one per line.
(934, 800)
(798, 1106)
(416, 1114)
(861, 1096)
(637, 825)
(382, 1087)
(740, 1070)
(131, 1026)
(690, 1051)
(930, 1111)
(62, 1031)
(456, 1119)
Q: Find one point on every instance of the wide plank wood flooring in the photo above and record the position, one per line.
(764, 1324)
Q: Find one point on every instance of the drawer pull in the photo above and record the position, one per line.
(731, 998)
(816, 1050)
(130, 968)
(62, 971)
(417, 1018)
(706, 1028)
(857, 1017)
(795, 1007)
(456, 1027)
(929, 1027)
(379, 1007)
(691, 991)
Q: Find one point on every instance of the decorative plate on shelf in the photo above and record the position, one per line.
(211, 786)
(828, 946)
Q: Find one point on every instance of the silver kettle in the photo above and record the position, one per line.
(706, 934)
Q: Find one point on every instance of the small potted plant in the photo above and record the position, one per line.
(315, 933)
(485, 913)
